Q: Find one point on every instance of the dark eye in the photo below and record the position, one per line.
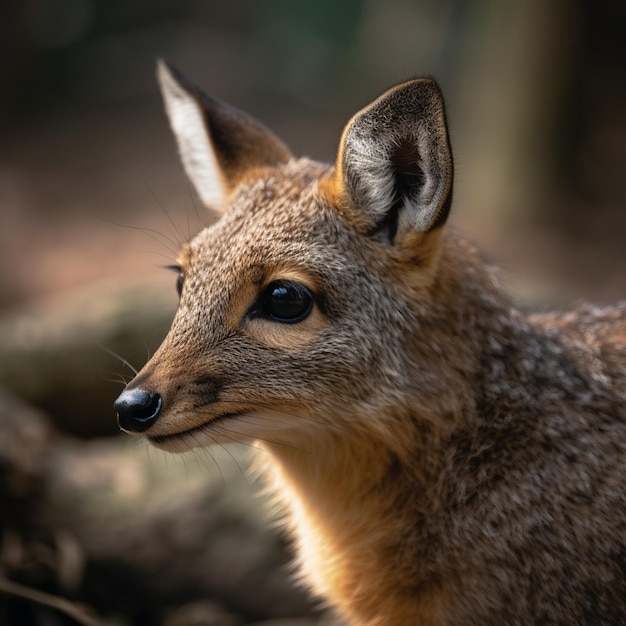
(180, 277)
(286, 301)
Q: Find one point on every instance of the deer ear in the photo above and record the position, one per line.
(394, 166)
(218, 144)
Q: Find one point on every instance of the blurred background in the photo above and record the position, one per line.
(93, 201)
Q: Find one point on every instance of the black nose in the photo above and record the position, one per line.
(137, 410)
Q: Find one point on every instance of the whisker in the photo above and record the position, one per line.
(148, 350)
(166, 458)
(234, 460)
(119, 357)
(188, 220)
(237, 441)
(201, 223)
(176, 230)
(119, 379)
(167, 257)
(223, 428)
(163, 240)
(195, 454)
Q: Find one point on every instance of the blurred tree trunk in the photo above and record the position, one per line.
(590, 119)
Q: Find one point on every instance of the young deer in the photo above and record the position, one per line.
(442, 458)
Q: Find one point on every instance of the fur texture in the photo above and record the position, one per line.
(441, 457)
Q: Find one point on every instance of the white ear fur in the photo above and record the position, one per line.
(395, 159)
(220, 146)
(198, 155)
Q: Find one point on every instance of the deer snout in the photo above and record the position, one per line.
(137, 409)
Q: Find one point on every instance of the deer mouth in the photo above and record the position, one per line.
(163, 440)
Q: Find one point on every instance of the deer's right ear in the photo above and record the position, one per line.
(393, 173)
(218, 144)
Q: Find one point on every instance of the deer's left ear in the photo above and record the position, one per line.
(218, 144)
(394, 165)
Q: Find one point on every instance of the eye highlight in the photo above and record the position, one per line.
(285, 301)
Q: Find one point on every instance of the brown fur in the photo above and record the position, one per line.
(441, 457)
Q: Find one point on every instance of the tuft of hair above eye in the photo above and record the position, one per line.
(284, 301)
